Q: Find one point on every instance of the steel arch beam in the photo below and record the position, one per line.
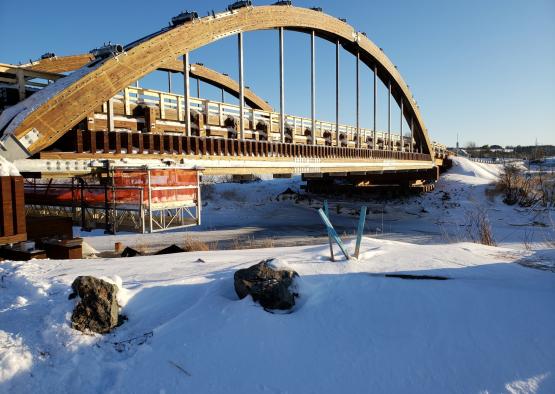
(39, 128)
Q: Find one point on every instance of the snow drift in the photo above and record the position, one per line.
(488, 328)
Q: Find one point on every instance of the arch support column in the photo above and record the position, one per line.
(313, 86)
(187, 94)
(401, 127)
(389, 142)
(374, 131)
(281, 89)
(241, 87)
(337, 93)
(358, 99)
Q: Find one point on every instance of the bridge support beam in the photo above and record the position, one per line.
(374, 142)
(313, 86)
(389, 116)
(241, 87)
(281, 88)
(357, 81)
(20, 84)
(401, 127)
(358, 99)
(411, 134)
(187, 94)
(337, 92)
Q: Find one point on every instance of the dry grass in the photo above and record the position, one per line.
(195, 245)
(252, 243)
(478, 227)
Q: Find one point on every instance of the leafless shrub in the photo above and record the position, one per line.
(510, 182)
(478, 227)
(528, 240)
(526, 190)
(446, 236)
(492, 192)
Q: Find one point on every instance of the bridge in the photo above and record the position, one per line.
(94, 109)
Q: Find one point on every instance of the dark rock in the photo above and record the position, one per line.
(287, 194)
(97, 310)
(171, 249)
(130, 252)
(288, 191)
(266, 285)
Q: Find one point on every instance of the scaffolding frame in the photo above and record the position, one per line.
(144, 216)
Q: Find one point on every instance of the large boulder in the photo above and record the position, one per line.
(270, 287)
(97, 310)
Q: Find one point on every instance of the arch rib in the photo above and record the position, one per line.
(70, 63)
(54, 116)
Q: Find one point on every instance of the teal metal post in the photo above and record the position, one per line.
(327, 212)
(333, 233)
(360, 230)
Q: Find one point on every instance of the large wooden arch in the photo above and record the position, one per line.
(63, 64)
(52, 118)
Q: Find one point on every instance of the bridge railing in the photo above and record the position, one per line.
(300, 126)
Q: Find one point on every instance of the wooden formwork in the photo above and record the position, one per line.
(12, 216)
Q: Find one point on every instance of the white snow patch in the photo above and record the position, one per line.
(478, 171)
(7, 168)
(15, 356)
(279, 264)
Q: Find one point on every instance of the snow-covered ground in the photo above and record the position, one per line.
(487, 329)
(251, 211)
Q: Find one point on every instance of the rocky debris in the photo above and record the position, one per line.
(97, 310)
(171, 249)
(287, 194)
(272, 288)
(130, 252)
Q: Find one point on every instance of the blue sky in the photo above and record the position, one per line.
(483, 69)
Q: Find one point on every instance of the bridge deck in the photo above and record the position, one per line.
(225, 155)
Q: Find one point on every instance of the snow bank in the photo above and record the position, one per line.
(481, 171)
(7, 168)
(353, 328)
